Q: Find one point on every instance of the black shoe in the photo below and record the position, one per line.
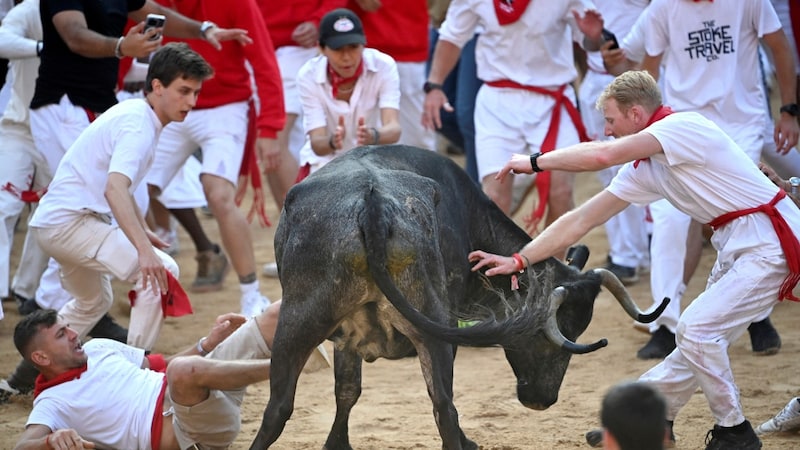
(764, 338)
(627, 275)
(724, 438)
(25, 305)
(106, 327)
(19, 382)
(661, 344)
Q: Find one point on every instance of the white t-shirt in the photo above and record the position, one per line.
(705, 174)
(111, 404)
(536, 50)
(712, 48)
(618, 17)
(378, 87)
(122, 140)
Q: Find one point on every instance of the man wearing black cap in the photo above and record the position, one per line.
(350, 94)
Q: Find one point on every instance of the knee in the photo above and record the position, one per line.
(219, 194)
(268, 322)
(183, 370)
(172, 266)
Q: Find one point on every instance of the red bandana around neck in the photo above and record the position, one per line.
(509, 11)
(73, 374)
(658, 114)
(338, 80)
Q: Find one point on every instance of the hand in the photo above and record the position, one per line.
(591, 24)
(369, 5)
(611, 57)
(364, 135)
(306, 35)
(215, 35)
(139, 45)
(786, 133)
(517, 164)
(67, 438)
(152, 271)
(774, 177)
(338, 135)
(435, 100)
(268, 153)
(223, 327)
(498, 265)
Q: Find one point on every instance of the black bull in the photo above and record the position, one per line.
(372, 252)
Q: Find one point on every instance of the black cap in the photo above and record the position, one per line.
(341, 27)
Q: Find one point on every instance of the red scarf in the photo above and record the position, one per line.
(174, 303)
(26, 195)
(658, 114)
(338, 80)
(787, 238)
(509, 11)
(73, 374)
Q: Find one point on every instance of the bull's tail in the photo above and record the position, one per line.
(376, 228)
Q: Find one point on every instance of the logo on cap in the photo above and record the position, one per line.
(343, 25)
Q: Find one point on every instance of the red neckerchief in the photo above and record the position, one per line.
(73, 374)
(174, 303)
(660, 113)
(509, 11)
(338, 80)
(787, 238)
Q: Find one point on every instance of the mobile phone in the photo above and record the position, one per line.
(154, 21)
(609, 36)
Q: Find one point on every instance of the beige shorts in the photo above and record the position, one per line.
(215, 422)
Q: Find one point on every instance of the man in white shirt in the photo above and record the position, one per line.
(688, 160)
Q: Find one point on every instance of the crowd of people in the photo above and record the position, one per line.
(673, 115)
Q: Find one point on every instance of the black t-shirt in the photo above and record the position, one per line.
(88, 82)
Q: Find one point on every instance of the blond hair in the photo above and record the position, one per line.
(634, 87)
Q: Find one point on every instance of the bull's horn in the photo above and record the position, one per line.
(612, 283)
(553, 333)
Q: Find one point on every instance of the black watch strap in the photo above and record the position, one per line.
(792, 109)
(428, 86)
(534, 164)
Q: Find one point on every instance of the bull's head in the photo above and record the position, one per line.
(540, 367)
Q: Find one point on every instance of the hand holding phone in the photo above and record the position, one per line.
(154, 21)
(609, 36)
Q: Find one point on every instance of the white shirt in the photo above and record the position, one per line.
(705, 174)
(378, 87)
(111, 404)
(618, 17)
(536, 50)
(19, 33)
(122, 140)
(713, 63)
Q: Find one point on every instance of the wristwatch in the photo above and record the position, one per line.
(791, 109)
(429, 86)
(794, 185)
(534, 164)
(207, 25)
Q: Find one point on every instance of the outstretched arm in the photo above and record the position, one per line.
(39, 437)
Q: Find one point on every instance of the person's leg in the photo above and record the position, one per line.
(467, 88)
(282, 178)
(412, 76)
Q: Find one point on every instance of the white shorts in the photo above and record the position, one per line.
(501, 131)
(219, 132)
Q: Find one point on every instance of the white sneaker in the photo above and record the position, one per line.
(786, 420)
(270, 270)
(170, 237)
(254, 304)
(318, 360)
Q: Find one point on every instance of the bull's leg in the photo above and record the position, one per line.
(436, 359)
(293, 343)
(347, 369)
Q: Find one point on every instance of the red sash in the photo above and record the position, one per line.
(249, 169)
(787, 238)
(549, 143)
(661, 112)
(509, 11)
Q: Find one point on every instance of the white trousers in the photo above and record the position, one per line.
(412, 77)
(739, 292)
(90, 251)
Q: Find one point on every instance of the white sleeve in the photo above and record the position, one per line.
(313, 106)
(656, 34)
(17, 32)
(389, 95)
(460, 24)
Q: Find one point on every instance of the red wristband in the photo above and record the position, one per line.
(520, 262)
